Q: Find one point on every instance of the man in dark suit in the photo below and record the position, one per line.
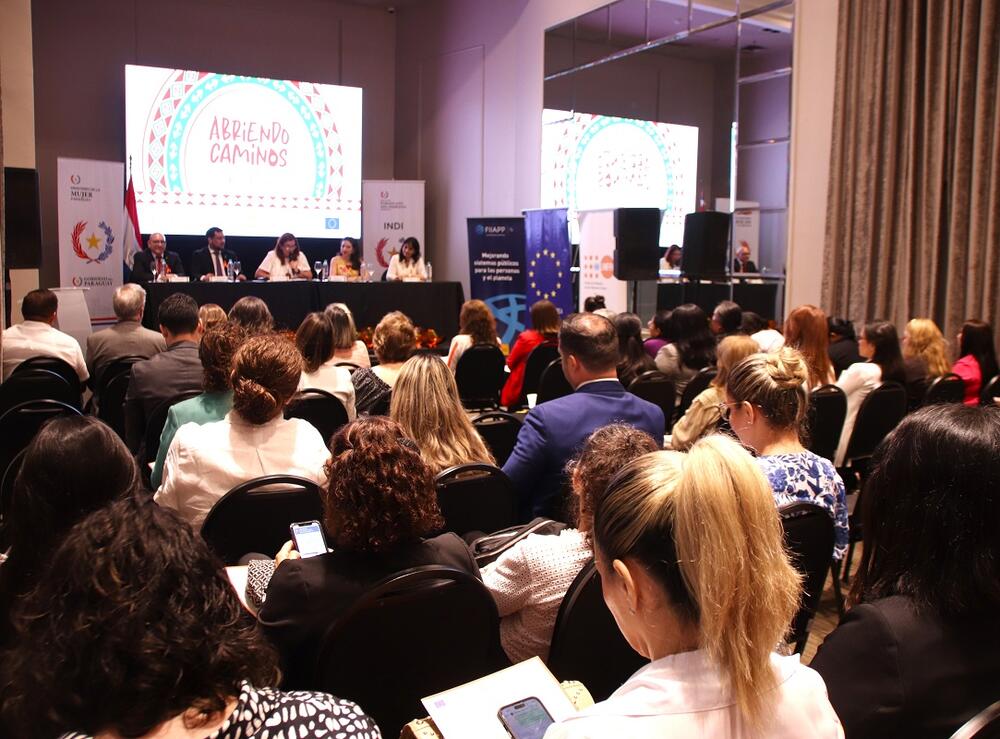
(168, 374)
(212, 260)
(554, 431)
(743, 263)
(156, 260)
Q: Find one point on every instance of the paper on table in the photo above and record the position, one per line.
(238, 577)
(471, 709)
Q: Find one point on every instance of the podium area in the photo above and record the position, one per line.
(433, 305)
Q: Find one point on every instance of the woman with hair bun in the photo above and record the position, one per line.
(767, 399)
(693, 568)
(205, 462)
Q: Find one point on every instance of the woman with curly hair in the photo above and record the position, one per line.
(476, 325)
(378, 506)
(394, 340)
(254, 439)
(425, 403)
(155, 643)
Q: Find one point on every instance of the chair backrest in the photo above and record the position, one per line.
(37, 384)
(656, 387)
(476, 497)
(553, 383)
(320, 408)
(586, 642)
(53, 364)
(949, 388)
(255, 515)
(18, 425)
(695, 387)
(479, 375)
(499, 430)
(351, 366)
(154, 426)
(990, 391)
(111, 391)
(541, 357)
(984, 725)
(880, 412)
(809, 542)
(827, 411)
(7, 494)
(416, 633)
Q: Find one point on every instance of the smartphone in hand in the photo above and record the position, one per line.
(525, 719)
(308, 538)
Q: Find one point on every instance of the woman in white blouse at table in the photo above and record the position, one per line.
(315, 341)
(408, 264)
(284, 262)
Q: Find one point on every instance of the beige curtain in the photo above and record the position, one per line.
(913, 217)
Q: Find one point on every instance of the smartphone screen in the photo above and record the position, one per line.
(308, 538)
(526, 719)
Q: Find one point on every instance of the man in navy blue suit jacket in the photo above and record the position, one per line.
(553, 432)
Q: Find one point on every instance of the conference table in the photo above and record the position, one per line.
(433, 305)
(757, 294)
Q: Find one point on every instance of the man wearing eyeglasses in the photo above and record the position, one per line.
(155, 263)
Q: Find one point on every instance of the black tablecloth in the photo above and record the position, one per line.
(760, 298)
(428, 304)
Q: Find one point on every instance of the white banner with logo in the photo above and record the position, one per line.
(597, 260)
(391, 211)
(746, 225)
(91, 231)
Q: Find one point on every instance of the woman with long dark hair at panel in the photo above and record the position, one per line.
(692, 347)
(407, 264)
(633, 361)
(879, 345)
(284, 262)
(544, 330)
(977, 358)
(135, 631)
(693, 567)
(347, 263)
(918, 653)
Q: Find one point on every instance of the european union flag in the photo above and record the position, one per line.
(547, 257)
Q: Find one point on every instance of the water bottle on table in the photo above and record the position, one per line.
(430, 271)
(326, 270)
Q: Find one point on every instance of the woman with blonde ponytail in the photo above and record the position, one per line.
(693, 567)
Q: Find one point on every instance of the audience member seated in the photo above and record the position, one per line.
(554, 431)
(425, 404)
(767, 401)
(173, 371)
(394, 340)
(127, 338)
(206, 461)
(925, 357)
(347, 263)
(632, 360)
(36, 336)
(806, 330)
(879, 344)
(407, 264)
(703, 416)
(379, 505)
(977, 358)
(757, 327)
(315, 341)
(727, 319)
(72, 467)
(544, 330)
(692, 347)
(211, 315)
(253, 315)
(216, 350)
(843, 349)
(156, 643)
(348, 348)
(476, 325)
(918, 654)
(284, 262)
(693, 567)
(155, 262)
(596, 304)
(529, 580)
(659, 330)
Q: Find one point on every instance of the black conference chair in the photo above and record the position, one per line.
(499, 430)
(541, 357)
(827, 411)
(479, 375)
(7, 494)
(53, 364)
(37, 384)
(696, 386)
(949, 388)
(322, 409)
(19, 424)
(990, 391)
(351, 366)
(255, 516)
(809, 540)
(586, 643)
(984, 725)
(423, 630)
(476, 498)
(553, 383)
(154, 428)
(656, 388)
(110, 393)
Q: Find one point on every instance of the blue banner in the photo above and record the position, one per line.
(496, 271)
(547, 257)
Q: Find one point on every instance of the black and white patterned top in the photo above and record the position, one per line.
(267, 712)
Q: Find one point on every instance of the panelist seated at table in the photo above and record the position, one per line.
(156, 262)
(743, 263)
(348, 262)
(285, 262)
(408, 264)
(214, 258)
